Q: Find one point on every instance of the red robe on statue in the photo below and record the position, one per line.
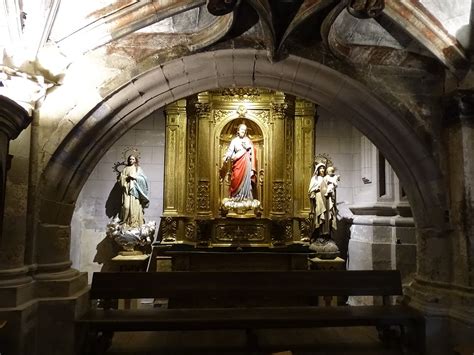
(240, 168)
(242, 178)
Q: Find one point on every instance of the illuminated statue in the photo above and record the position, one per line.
(134, 186)
(241, 152)
(244, 167)
(322, 195)
(125, 208)
(331, 181)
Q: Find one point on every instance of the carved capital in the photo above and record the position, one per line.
(279, 110)
(459, 107)
(202, 109)
(364, 9)
(13, 118)
(174, 111)
(304, 108)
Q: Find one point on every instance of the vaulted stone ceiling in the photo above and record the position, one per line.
(407, 33)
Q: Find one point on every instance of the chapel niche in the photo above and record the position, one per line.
(198, 132)
(255, 133)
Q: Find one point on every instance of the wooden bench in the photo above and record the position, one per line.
(304, 286)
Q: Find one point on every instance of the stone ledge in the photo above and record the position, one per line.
(442, 300)
(61, 288)
(14, 296)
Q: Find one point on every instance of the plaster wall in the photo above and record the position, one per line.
(335, 137)
(356, 160)
(454, 15)
(89, 219)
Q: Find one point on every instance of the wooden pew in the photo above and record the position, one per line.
(305, 286)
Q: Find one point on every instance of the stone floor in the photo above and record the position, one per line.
(352, 341)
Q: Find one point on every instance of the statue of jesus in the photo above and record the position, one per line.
(242, 153)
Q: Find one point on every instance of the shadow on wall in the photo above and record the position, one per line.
(343, 232)
(106, 250)
(114, 201)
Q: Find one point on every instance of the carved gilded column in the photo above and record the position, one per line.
(13, 119)
(289, 153)
(191, 156)
(205, 166)
(175, 159)
(279, 203)
(304, 155)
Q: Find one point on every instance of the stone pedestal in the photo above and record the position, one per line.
(126, 263)
(328, 264)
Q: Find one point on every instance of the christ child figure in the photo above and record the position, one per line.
(331, 180)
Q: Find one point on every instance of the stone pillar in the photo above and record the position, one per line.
(443, 288)
(459, 122)
(15, 287)
(13, 119)
(60, 292)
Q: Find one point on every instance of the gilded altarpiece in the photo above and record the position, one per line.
(198, 131)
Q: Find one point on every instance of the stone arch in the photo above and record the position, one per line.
(75, 158)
